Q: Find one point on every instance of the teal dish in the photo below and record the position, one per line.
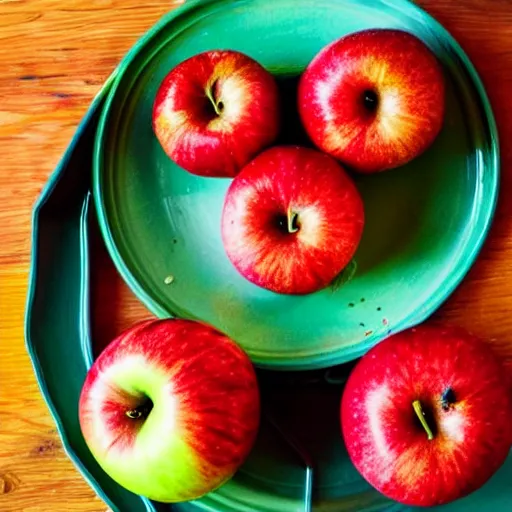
(425, 222)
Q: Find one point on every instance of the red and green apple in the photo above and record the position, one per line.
(215, 111)
(374, 99)
(292, 220)
(426, 415)
(170, 409)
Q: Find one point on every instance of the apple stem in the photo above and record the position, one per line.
(216, 106)
(134, 414)
(292, 221)
(141, 411)
(418, 409)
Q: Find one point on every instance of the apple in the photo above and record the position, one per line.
(292, 220)
(427, 415)
(170, 409)
(373, 99)
(216, 110)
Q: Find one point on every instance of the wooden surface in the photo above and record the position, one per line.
(54, 56)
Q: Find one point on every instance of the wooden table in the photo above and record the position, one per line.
(54, 56)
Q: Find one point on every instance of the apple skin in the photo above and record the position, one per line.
(292, 220)
(215, 111)
(471, 423)
(204, 416)
(373, 99)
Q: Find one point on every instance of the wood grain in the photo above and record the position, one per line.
(54, 56)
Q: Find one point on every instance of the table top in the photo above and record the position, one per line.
(54, 57)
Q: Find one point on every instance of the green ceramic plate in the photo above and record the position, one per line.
(425, 222)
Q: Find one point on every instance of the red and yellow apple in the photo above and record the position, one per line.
(216, 110)
(427, 415)
(374, 99)
(170, 409)
(292, 220)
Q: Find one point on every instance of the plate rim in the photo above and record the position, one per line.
(321, 360)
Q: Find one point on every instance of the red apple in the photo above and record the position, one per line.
(427, 415)
(292, 220)
(373, 99)
(170, 409)
(215, 111)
